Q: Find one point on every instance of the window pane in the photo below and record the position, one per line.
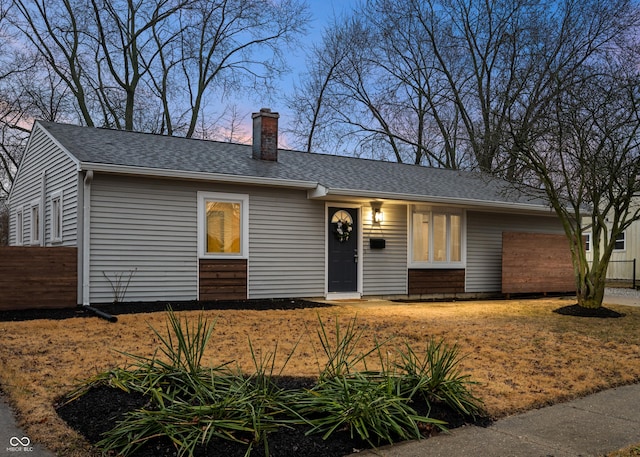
(456, 237)
(619, 246)
(223, 227)
(19, 228)
(420, 237)
(439, 237)
(35, 224)
(56, 214)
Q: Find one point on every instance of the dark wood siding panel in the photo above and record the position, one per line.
(427, 281)
(38, 277)
(223, 279)
(536, 263)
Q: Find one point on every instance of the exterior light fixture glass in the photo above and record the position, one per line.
(378, 215)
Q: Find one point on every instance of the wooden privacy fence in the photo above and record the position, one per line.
(38, 277)
(536, 263)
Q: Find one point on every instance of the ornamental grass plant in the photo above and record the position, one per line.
(190, 405)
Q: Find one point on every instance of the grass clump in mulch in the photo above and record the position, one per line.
(169, 403)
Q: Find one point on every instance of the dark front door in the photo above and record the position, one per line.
(343, 249)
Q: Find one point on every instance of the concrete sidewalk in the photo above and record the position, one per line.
(627, 297)
(14, 441)
(591, 426)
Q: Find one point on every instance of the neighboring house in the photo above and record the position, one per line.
(184, 219)
(626, 253)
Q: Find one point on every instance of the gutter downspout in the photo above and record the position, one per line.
(86, 244)
(86, 240)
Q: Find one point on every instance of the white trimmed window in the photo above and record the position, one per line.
(587, 242)
(223, 228)
(437, 236)
(620, 242)
(56, 217)
(34, 232)
(19, 226)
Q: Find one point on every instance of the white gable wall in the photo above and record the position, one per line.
(484, 245)
(60, 174)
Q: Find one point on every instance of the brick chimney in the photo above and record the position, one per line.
(265, 135)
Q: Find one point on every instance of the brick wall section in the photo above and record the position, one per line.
(536, 263)
(428, 281)
(223, 279)
(38, 277)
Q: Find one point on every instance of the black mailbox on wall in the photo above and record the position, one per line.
(377, 243)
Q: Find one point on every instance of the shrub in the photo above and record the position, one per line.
(436, 376)
(370, 407)
(191, 405)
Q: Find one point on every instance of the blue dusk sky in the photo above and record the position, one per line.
(322, 14)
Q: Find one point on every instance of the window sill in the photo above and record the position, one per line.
(223, 256)
(436, 265)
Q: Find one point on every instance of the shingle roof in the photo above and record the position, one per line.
(335, 175)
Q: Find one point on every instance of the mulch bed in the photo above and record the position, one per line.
(102, 407)
(152, 307)
(580, 311)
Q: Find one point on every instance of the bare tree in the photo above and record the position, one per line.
(341, 102)
(587, 159)
(153, 65)
(308, 101)
(235, 44)
(162, 66)
(4, 223)
(14, 123)
(442, 81)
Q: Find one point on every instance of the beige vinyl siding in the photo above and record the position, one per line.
(484, 244)
(621, 262)
(385, 270)
(287, 244)
(45, 156)
(143, 229)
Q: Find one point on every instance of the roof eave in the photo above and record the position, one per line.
(315, 191)
(196, 175)
(322, 192)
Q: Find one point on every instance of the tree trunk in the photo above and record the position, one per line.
(590, 291)
(592, 298)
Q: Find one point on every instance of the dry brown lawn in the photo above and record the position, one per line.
(522, 354)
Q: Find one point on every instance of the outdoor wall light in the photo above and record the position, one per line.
(378, 215)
